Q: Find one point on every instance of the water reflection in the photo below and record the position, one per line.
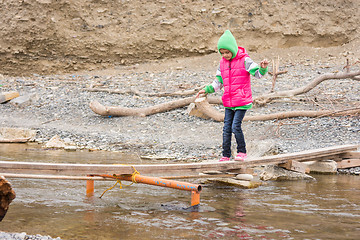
(326, 209)
(35, 153)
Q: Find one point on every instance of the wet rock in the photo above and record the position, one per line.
(272, 172)
(70, 148)
(55, 142)
(235, 182)
(246, 177)
(353, 170)
(329, 166)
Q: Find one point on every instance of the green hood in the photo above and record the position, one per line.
(227, 41)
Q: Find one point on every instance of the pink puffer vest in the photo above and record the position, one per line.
(236, 80)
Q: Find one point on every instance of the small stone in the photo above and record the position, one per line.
(70, 148)
(55, 142)
(246, 177)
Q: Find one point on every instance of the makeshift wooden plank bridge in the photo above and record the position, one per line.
(345, 155)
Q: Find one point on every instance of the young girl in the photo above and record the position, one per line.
(234, 76)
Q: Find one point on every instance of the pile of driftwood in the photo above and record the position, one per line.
(202, 107)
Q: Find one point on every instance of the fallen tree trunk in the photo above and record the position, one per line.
(267, 98)
(262, 100)
(6, 196)
(217, 116)
(204, 106)
(292, 114)
(6, 96)
(210, 112)
(117, 111)
(102, 110)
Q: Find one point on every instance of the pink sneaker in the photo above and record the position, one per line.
(224, 159)
(241, 156)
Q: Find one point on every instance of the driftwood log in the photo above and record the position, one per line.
(267, 98)
(6, 196)
(117, 111)
(142, 112)
(262, 100)
(312, 114)
(204, 104)
(210, 112)
(6, 96)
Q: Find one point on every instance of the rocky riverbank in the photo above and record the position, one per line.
(60, 106)
(43, 37)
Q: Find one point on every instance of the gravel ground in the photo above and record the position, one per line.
(24, 236)
(61, 107)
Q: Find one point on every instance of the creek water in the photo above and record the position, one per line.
(328, 208)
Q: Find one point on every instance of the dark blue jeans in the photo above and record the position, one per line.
(232, 124)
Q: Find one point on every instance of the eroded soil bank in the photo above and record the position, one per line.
(47, 36)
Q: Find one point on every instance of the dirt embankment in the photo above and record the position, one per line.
(48, 36)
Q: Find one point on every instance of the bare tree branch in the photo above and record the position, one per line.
(301, 90)
(142, 112)
(312, 114)
(137, 92)
(207, 109)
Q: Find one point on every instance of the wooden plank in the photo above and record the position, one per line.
(355, 155)
(308, 155)
(295, 166)
(184, 168)
(15, 140)
(88, 169)
(348, 163)
(33, 176)
(63, 177)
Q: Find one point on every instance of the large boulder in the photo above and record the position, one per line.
(12, 135)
